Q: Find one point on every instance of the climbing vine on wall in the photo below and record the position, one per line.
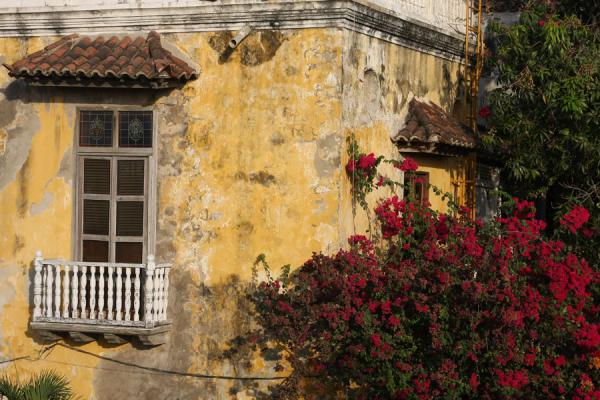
(362, 172)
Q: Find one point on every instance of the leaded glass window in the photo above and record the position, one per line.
(135, 129)
(96, 128)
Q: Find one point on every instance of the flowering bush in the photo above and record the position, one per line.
(438, 306)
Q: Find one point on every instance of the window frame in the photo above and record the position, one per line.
(114, 154)
(413, 184)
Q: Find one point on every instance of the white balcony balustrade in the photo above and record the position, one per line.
(113, 299)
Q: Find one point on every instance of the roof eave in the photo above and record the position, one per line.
(440, 149)
(103, 83)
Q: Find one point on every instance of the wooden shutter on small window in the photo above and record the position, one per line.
(418, 183)
(422, 187)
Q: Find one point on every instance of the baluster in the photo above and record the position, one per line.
(101, 293)
(74, 292)
(156, 304)
(57, 292)
(83, 293)
(92, 292)
(136, 295)
(162, 294)
(149, 291)
(49, 295)
(109, 294)
(44, 289)
(37, 285)
(166, 293)
(127, 293)
(66, 287)
(119, 290)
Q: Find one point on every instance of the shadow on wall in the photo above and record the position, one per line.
(19, 90)
(206, 322)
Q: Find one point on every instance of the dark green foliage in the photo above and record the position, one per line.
(45, 386)
(586, 10)
(545, 116)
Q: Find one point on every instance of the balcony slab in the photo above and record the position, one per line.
(114, 334)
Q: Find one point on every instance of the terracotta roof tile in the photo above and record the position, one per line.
(132, 58)
(427, 124)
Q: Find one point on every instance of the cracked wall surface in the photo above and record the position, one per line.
(250, 161)
(379, 80)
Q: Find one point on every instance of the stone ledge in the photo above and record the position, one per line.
(51, 331)
(355, 15)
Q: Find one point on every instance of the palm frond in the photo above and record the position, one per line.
(9, 389)
(47, 386)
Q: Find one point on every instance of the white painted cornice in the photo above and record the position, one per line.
(372, 17)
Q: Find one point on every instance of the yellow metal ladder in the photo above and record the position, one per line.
(473, 64)
(473, 59)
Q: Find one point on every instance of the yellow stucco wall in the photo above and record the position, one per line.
(250, 161)
(445, 173)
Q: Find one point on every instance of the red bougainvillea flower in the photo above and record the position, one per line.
(513, 379)
(575, 219)
(376, 339)
(368, 161)
(474, 382)
(485, 112)
(408, 164)
(351, 166)
(541, 22)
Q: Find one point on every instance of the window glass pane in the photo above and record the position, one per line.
(128, 252)
(130, 177)
(96, 217)
(96, 128)
(96, 176)
(135, 128)
(95, 250)
(130, 218)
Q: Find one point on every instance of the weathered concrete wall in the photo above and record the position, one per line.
(36, 173)
(250, 161)
(380, 79)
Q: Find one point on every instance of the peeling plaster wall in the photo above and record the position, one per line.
(379, 80)
(250, 161)
(35, 206)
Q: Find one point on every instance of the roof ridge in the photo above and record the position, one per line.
(155, 46)
(62, 41)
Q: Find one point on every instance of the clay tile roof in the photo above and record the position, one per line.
(113, 58)
(427, 125)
